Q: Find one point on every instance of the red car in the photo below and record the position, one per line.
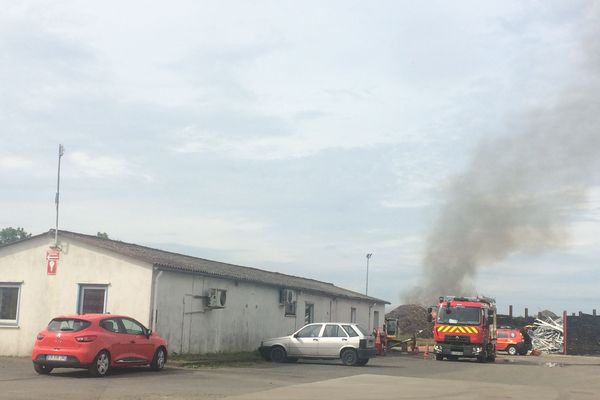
(97, 342)
(510, 340)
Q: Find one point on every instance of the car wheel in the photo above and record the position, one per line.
(362, 361)
(100, 365)
(278, 354)
(159, 360)
(42, 369)
(512, 350)
(349, 357)
(439, 357)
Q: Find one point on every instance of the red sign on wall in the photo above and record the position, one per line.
(52, 261)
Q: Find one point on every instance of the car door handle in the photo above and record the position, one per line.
(344, 340)
(315, 340)
(132, 341)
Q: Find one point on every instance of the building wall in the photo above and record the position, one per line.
(45, 296)
(252, 313)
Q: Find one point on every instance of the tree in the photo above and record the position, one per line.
(102, 235)
(10, 234)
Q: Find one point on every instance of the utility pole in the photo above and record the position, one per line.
(369, 255)
(61, 151)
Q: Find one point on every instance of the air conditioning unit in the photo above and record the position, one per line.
(217, 298)
(287, 296)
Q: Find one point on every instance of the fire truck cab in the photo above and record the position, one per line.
(465, 327)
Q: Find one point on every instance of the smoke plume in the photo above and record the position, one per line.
(519, 191)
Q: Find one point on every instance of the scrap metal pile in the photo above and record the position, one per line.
(547, 335)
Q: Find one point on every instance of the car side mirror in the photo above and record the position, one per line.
(148, 332)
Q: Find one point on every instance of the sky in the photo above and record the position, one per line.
(299, 136)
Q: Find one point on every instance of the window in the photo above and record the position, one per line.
(333, 331)
(133, 327)
(110, 325)
(9, 303)
(92, 299)
(290, 309)
(67, 325)
(503, 335)
(350, 330)
(309, 331)
(352, 314)
(309, 313)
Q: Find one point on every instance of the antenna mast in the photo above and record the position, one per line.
(61, 151)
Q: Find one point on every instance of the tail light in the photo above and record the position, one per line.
(40, 336)
(86, 339)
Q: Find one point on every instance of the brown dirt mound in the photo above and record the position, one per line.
(411, 319)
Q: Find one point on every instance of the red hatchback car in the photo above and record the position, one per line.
(510, 340)
(97, 342)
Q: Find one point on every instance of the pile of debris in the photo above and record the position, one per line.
(547, 334)
(412, 318)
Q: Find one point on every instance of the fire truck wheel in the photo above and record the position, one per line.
(482, 357)
(439, 357)
(512, 350)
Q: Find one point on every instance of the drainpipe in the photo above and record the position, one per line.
(155, 300)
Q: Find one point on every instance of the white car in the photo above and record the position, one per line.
(326, 340)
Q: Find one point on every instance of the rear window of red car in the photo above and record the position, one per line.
(67, 325)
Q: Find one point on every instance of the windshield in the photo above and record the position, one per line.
(391, 326)
(459, 315)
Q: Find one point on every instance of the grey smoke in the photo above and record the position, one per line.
(519, 191)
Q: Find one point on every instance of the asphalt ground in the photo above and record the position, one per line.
(403, 376)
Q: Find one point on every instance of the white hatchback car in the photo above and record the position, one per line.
(326, 340)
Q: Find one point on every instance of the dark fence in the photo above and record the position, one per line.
(515, 322)
(582, 334)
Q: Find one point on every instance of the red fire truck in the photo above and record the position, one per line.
(465, 327)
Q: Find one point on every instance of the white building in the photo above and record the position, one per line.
(198, 305)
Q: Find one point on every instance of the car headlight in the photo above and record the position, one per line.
(477, 350)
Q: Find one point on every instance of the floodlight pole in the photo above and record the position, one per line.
(369, 255)
(61, 151)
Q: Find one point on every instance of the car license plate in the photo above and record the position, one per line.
(52, 357)
(456, 353)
